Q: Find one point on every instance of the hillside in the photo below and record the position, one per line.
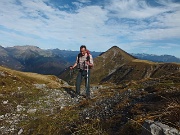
(25, 95)
(140, 69)
(105, 64)
(157, 58)
(39, 104)
(116, 66)
(7, 60)
(109, 62)
(32, 59)
(27, 79)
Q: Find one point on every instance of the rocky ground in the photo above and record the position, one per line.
(50, 102)
(112, 109)
(44, 101)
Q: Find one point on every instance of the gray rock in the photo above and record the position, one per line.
(31, 111)
(2, 74)
(40, 86)
(20, 131)
(156, 128)
(5, 102)
(20, 108)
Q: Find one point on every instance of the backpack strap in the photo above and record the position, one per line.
(79, 55)
(88, 55)
(87, 58)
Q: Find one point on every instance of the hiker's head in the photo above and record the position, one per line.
(83, 49)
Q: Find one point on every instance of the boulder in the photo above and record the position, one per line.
(157, 128)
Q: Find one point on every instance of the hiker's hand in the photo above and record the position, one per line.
(71, 67)
(88, 63)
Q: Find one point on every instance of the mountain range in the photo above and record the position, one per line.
(157, 58)
(53, 61)
(33, 59)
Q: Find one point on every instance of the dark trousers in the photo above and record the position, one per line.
(83, 74)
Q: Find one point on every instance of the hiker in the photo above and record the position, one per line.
(84, 63)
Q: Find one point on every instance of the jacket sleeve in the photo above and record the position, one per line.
(91, 60)
(76, 60)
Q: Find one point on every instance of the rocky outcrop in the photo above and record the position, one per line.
(52, 101)
(156, 128)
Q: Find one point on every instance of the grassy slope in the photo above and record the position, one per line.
(19, 87)
(118, 109)
(19, 94)
(29, 78)
(140, 69)
(113, 110)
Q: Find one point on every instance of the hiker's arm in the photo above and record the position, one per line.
(91, 63)
(75, 64)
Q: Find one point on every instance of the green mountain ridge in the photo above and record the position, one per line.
(34, 59)
(117, 66)
(109, 62)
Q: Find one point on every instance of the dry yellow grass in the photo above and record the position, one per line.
(144, 61)
(50, 80)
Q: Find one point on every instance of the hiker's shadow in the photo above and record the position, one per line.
(70, 91)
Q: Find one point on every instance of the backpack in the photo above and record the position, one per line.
(87, 58)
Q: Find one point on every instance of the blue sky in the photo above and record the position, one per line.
(136, 26)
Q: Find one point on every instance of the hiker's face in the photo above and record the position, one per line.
(83, 51)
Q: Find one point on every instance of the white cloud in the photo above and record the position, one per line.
(84, 1)
(83, 26)
(144, 21)
(169, 46)
(132, 9)
(127, 23)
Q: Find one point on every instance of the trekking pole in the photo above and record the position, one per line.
(70, 74)
(87, 78)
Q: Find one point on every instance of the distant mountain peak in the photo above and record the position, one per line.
(27, 47)
(115, 51)
(114, 47)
